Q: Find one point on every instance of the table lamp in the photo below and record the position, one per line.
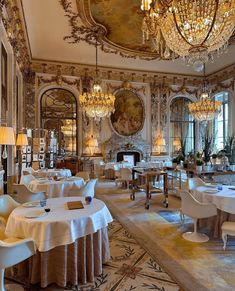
(160, 143)
(92, 143)
(7, 137)
(22, 140)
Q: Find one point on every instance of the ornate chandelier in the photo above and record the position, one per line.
(193, 29)
(205, 109)
(97, 104)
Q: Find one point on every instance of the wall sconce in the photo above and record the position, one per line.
(7, 137)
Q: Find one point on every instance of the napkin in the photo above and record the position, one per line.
(75, 205)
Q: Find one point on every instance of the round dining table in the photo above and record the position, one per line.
(224, 199)
(71, 245)
(53, 173)
(56, 188)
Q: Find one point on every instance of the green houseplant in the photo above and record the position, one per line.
(208, 144)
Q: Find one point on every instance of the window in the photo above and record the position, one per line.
(59, 112)
(220, 123)
(4, 84)
(181, 125)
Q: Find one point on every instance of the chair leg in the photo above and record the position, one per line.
(195, 236)
(182, 217)
(2, 288)
(224, 238)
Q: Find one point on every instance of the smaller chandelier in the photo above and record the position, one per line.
(205, 109)
(97, 104)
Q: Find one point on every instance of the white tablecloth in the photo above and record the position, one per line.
(117, 166)
(56, 188)
(224, 199)
(60, 226)
(53, 172)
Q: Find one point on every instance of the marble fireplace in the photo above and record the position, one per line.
(118, 146)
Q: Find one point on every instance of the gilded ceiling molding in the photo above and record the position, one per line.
(90, 31)
(126, 85)
(10, 15)
(116, 74)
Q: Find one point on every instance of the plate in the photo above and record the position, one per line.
(31, 204)
(35, 214)
(211, 186)
(211, 191)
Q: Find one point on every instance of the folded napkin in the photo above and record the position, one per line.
(75, 205)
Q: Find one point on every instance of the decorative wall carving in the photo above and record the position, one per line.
(11, 18)
(29, 99)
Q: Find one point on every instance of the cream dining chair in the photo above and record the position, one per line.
(196, 210)
(86, 190)
(195, 182)
(12, 252)
(22, 194)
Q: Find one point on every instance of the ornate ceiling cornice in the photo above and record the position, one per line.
(90, 31)
(12, 22)
(107, 73)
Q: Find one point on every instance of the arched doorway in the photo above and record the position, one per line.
(59, 113)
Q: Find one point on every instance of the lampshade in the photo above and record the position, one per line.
(22, 139)
(7, 136)
(92, 142)
(176, 142)
(160, 141)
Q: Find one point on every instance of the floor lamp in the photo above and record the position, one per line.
(7, 137)
(22, 140)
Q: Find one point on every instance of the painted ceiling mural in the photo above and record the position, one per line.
(123, 25)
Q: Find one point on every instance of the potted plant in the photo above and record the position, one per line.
(199, 164)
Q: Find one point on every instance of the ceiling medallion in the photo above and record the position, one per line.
(205, 109)
(194, 31)
(97, 104)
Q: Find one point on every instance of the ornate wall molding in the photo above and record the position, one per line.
(12, 22)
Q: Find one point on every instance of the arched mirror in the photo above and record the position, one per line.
(182, 127)
(59, 113)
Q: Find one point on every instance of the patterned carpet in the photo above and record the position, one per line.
(194, 266)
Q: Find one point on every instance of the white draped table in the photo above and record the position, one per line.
(72, 244)
(54, 188)
(224, 201)
(53, 172)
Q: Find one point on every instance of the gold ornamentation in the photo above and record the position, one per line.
(192, 30)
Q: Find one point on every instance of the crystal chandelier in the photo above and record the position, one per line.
(205, 109)
(97, 104)
(196, 30)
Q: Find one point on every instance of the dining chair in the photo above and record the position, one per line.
(7, 205)
(26, 179)
(12, 252)
(196, 210)
(83, 174)
(22, 194)
(126, 176)
(86, 190)
(195, 182)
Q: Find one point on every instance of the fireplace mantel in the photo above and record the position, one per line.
(127, 144)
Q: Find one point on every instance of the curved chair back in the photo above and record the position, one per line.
(195, 182)
(126, 174)
(87, 190)
(23, 194)
(7, 205)
(83, 174)
(195, 209)
(26, 179)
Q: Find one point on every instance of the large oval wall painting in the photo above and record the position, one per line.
(128, 117)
